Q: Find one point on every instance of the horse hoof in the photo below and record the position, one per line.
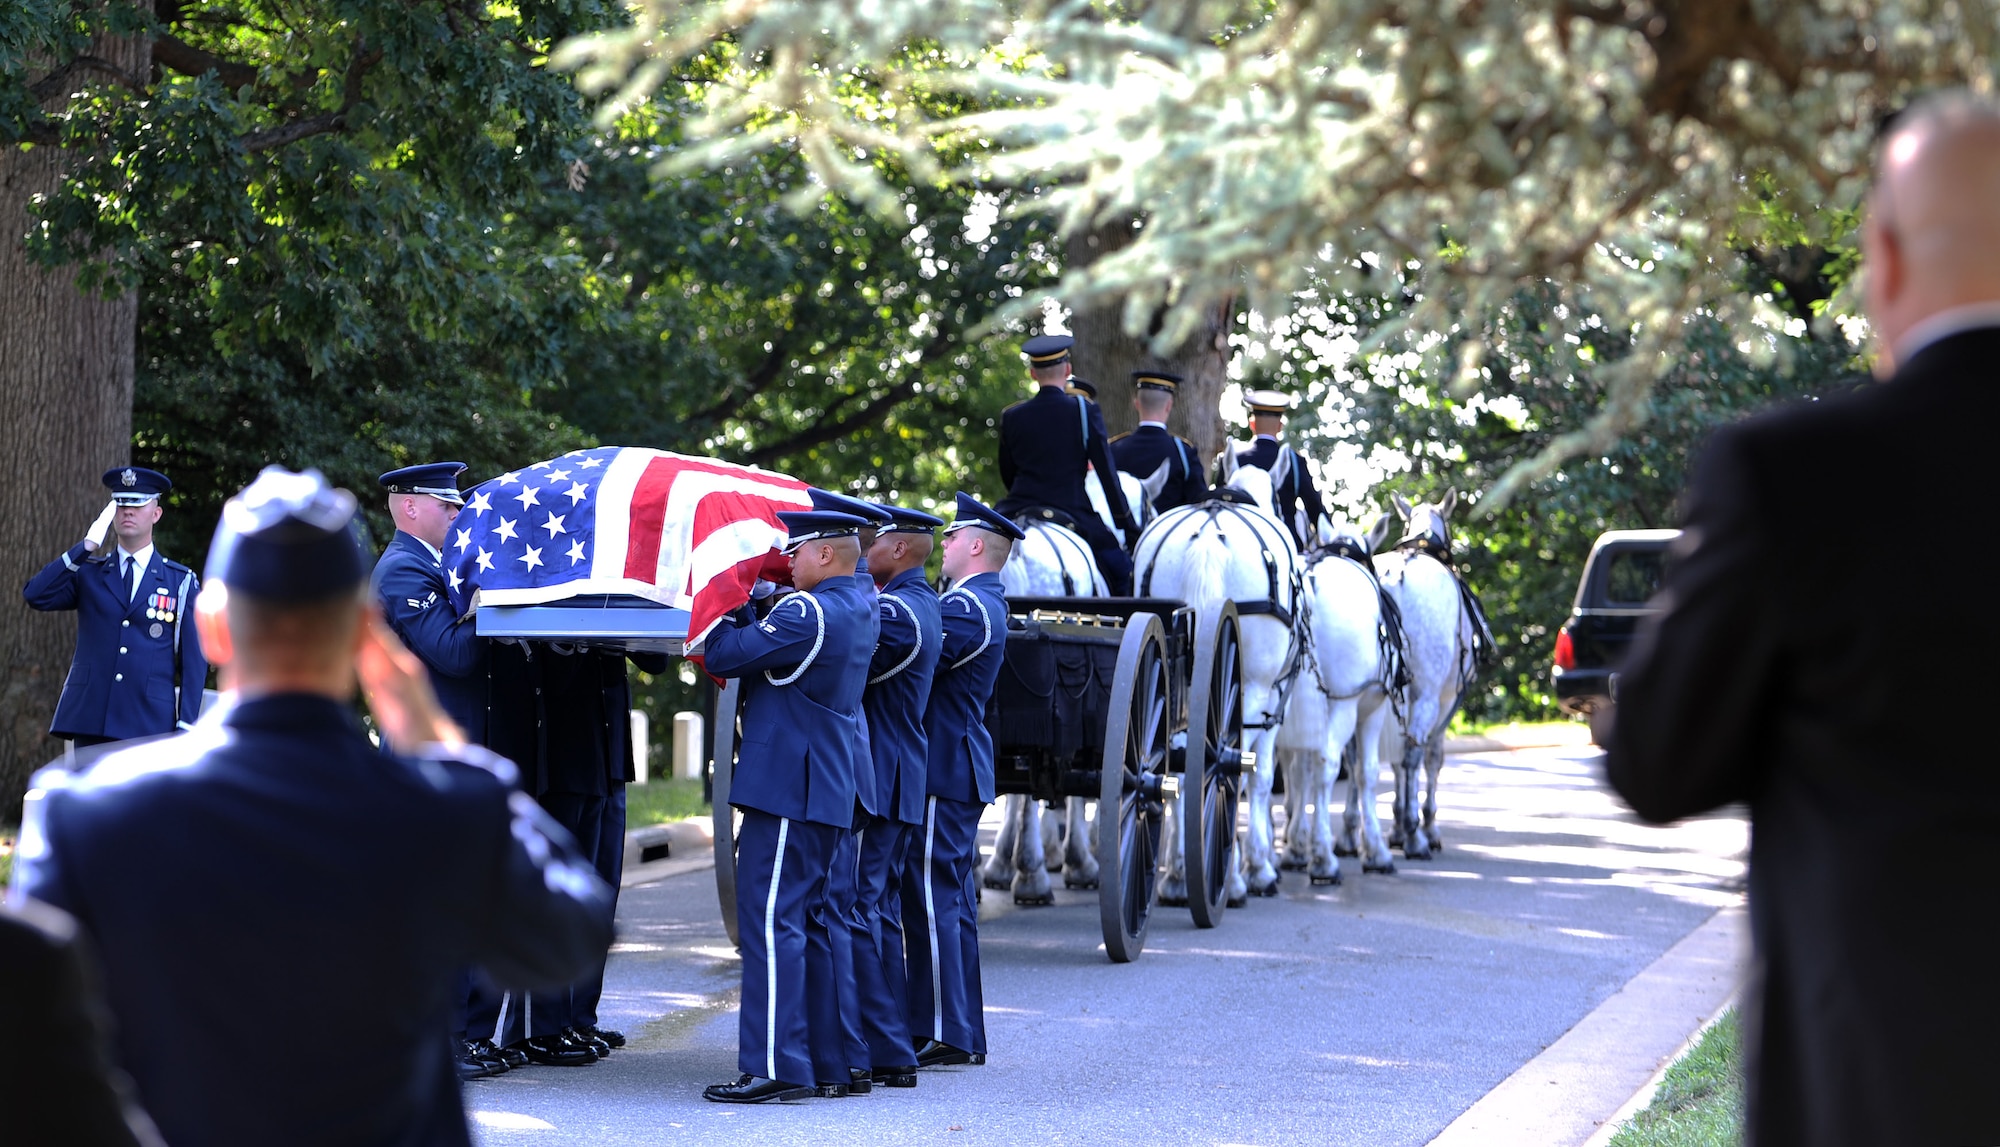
(1318, 879)
(1416, 853)
(1290, 864)
(1080, 883)
(1053, 866)
(1267, 890)
(1386, 868)
(1031, 900)
(1172, 901)
(1001, 884)
(1238, 902)
(1345, 850)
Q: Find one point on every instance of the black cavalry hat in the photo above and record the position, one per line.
(288, 538)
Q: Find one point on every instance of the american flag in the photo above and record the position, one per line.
(686, 532)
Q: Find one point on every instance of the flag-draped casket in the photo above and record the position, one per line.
(614, 524)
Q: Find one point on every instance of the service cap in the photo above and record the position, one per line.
(1156, 380)
(972, 513)
(908, 521)
(288, 538)
(1269, 402)
(811, 525)
(1083, 386)
(1048, 350)
(438, 479)
(135, 485)
(870, 513)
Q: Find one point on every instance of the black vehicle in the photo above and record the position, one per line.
(1619, 581)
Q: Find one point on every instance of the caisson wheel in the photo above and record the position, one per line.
(1131, 809)
(1213, 781)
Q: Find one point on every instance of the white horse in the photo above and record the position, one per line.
(1205, 555)
(1339, 702)
(1137, 497)
(1440, 639)
(1052, 561)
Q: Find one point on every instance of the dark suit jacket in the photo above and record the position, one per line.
(272, 872)
(1835, 676)
(1045, 443)
(132, 649)
(1159, 458)
(57, 1086)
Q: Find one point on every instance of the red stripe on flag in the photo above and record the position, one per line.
(648, 521)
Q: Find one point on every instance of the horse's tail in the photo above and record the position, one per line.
(1206, 586)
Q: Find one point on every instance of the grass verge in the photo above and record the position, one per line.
(1700, 1101)
(663, 801)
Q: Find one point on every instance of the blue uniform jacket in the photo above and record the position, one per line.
(1044, 445)
(410, 584)
(803, 669)
(1167, 465)
(960, 762)
(271, 871)
(899, 688)
(122, 681)
(868, 793)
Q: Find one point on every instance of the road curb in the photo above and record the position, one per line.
(657, 851)
(1583, 1081)
(1643, 1098)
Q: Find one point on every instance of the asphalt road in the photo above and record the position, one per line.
(1371, 1012)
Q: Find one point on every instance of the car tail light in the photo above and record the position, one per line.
(1565, 650)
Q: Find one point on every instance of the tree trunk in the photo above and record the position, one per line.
(1107, 354)
(66, 364)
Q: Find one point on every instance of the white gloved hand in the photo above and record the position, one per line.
(762, 589)
(95, 535)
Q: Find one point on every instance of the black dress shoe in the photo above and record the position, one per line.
(754, 1089)
(859, 1082)
(936, 1054)
(830, 1090)
(615, 1039)
(555, 1051)
(500, 1061)
(894, 1076)
(596, 1045)
(469, 1066)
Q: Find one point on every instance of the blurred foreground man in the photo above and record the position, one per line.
(1801, 670)
(272, 872)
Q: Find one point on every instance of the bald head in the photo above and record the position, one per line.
(1933, 237)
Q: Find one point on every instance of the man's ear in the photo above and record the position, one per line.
(211, 621)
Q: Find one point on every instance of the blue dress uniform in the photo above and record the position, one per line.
(270, 870)
(899, 689)
(803, 669)
(1291, 482)
(1166, 465)
(410, 583)
(1045, 444)
(939, 898)
(138, 670)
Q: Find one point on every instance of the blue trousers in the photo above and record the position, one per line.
(610, 857)
(837, 1041)
(509, 1017)
(782, 919)
(941, 907)
(880, 978)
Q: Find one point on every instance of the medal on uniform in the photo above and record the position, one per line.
(156, 630)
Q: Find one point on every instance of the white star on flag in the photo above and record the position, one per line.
(555, 525)
(506, 530)
(540, 464)
(527, 497)
(590, 463)
(508, 478)
(558, 475)
(456, 580)
(485, 560)
(464, 539)
(577, 492)
(576, 551)
(479, 503)
(533, 557)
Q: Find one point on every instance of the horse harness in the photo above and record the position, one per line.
(1483, 646)
(1395, 675)
(1053, 516)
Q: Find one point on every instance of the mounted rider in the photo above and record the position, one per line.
(1046, 444)
(1296, 501)
(1166, 465)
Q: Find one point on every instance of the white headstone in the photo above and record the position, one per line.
(642, 745)
(689, 755)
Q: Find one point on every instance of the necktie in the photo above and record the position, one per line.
(125, 564)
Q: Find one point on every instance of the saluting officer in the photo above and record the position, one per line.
(1298, 502)
(271, 871)
(1045, 444)
(410, 583)
(138, 670)
(1166, 465)
(803, 669)
(947, 1009)
(899, 689)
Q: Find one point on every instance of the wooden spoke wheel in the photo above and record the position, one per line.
(1212, 784)
(722, 731)
(1131, 809)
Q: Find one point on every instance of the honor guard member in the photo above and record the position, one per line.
(410, 583)
(841, 1053)
(272, 871)
(1298, 502)
(138, 669)
(1045, 444)
(803, 669)
(899, 688)
(947, 1009)
(1166, 465)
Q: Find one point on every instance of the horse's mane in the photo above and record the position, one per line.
(1207, 583)
(1256, 482)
